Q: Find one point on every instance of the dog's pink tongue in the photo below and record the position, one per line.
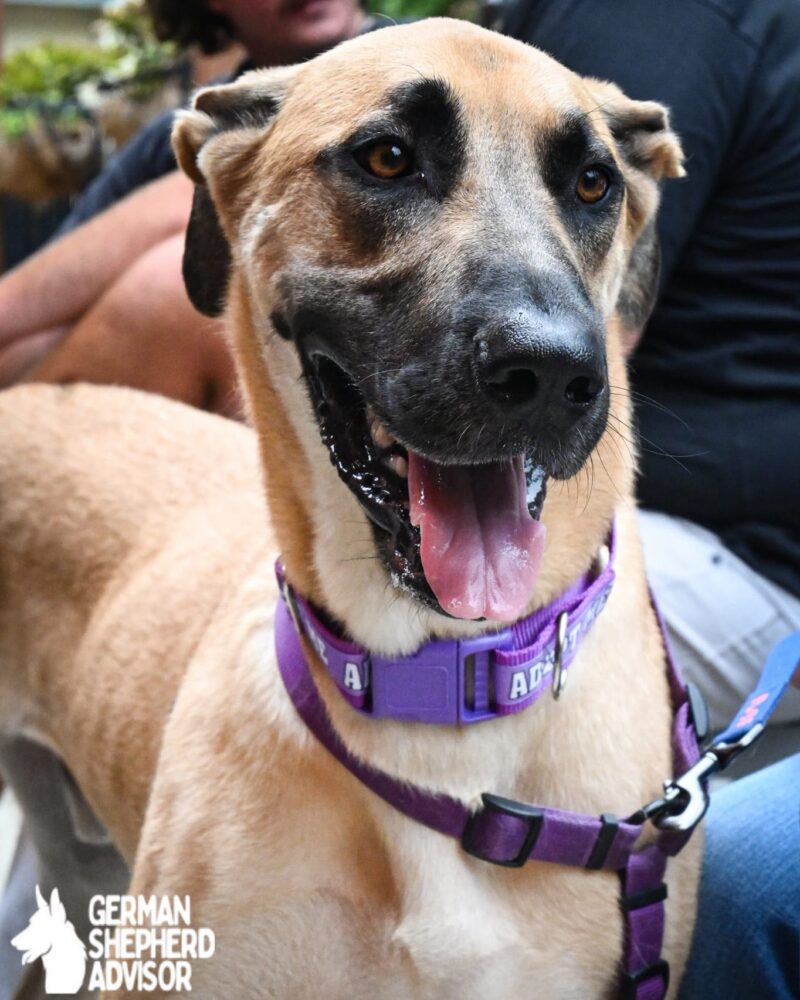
(480, 547)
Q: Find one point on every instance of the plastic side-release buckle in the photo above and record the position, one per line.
(531, 816)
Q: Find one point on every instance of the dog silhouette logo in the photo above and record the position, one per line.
(51, 937)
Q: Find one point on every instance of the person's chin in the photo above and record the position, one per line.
(320, 24)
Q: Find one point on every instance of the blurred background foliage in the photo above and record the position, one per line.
(64, 108)
(50, 75)
(399, 10)
(125, 52)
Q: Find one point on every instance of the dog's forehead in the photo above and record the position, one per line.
(490, 78)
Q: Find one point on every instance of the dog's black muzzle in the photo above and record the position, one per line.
(516, 378)
(510, 369)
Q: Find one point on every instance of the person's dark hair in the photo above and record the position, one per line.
(190, 22)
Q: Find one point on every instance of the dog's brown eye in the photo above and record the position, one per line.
(592, 185)
(387, 160)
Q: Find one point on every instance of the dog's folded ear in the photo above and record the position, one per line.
(221, 128)
(641, 130)
(650, 152)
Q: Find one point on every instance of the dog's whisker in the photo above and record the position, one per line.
(598, 107)
(609, 477)
(614, 439)
(589, 470)
(646, 400)
(624, 434)
(463, 432)
(383, 371)
(655, 449)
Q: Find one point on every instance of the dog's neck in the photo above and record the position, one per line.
(463, 681)
(520, 756)
(327, 550)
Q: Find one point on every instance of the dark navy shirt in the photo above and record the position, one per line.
(721, 355)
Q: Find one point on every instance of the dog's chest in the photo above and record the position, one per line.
(470, 929)
(448, 943)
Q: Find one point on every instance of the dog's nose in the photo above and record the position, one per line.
(537, 366)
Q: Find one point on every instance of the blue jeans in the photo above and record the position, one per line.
(747, 939)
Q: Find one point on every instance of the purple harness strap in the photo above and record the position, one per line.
(510, 833)
(499, 832)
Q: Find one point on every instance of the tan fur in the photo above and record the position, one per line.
(137, 602)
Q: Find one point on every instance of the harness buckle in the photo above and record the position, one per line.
(631, 981)
(533, 816)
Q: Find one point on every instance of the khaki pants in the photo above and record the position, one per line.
(723, 618)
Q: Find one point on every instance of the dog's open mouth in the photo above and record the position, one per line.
(465, 539)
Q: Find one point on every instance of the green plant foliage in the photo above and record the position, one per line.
(50, 72)
(399, 10)
(48, 75)
(405, 10)
(130, 27)
(131, 21)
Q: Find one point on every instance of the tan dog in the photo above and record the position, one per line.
(434, 237)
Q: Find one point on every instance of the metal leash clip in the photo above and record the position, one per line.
(291, 604)
(685, 799)
(559, 670)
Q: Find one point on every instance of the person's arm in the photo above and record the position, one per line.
(58, 284)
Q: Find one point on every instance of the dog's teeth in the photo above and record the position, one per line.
(380, 435)
(399, 465)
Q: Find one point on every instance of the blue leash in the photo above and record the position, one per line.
(781, 664)
(686, 798)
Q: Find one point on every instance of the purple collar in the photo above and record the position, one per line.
(458, 681)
